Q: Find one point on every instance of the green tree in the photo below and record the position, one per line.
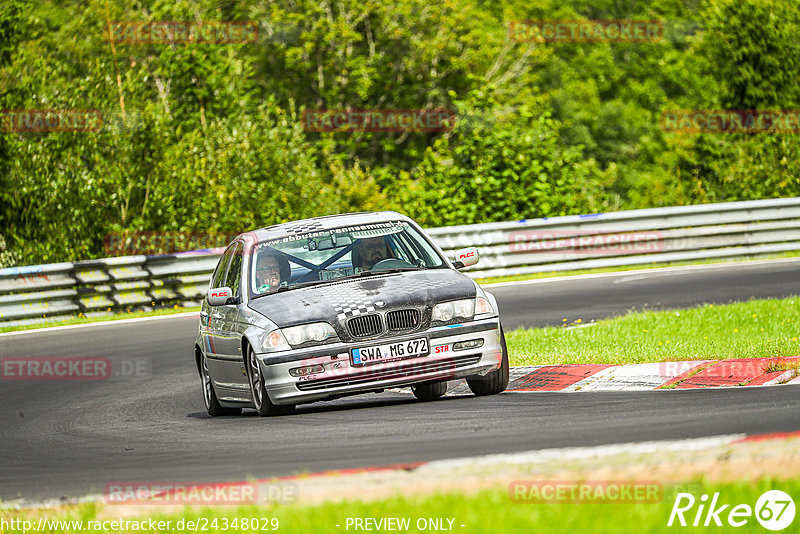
(10, 20)
(500, 167)
(756, 52)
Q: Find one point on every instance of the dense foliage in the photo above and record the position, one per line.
(203, 137)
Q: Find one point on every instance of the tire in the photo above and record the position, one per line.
(496, 381)
(213, 407)
(429, 390)
(263, 404)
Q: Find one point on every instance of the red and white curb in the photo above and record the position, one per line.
(435, 468)
(564, 453)
(582, 453)
(646, 376)
(432, 468)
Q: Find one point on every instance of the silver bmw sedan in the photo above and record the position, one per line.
(341, 305)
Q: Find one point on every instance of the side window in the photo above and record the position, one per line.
(219, 272)
(235, 271)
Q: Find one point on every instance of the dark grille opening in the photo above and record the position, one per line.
(409, 370)
(365, 325)
(402, 319)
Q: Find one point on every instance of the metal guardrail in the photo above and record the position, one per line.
(656, 235)
(729, 230)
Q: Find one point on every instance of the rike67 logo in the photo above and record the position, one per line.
(774, 510)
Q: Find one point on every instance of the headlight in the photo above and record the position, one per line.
(479, 308)
(445, 311)
(297, 335)
(442, 312)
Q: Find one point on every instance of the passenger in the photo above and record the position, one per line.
(269, 272)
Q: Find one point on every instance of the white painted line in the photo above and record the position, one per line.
(100, 323)
(655, 271)
(579, 453)
(584, 325)
(644, 276)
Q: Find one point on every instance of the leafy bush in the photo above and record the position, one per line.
(501, 166)
(210, 137)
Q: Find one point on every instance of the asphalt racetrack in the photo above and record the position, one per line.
(72, 438)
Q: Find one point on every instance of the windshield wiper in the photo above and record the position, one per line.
(304, 284)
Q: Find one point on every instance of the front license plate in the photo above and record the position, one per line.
(393, 351)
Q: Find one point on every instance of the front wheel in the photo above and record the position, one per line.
(429, 390)
(263, 405)
(496, 381)
(213, 407)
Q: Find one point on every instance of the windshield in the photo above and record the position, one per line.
(317, 257)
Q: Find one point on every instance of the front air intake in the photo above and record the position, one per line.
(365, 325)
(399, 320)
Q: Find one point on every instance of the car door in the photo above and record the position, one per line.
(230, 336)
(212, 317)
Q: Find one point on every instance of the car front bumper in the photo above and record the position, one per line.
(340, 377)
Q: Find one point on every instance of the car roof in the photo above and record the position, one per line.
(325, 222)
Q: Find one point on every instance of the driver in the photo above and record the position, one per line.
(268, 272)
(370, 251)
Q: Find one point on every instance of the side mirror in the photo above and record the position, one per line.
(465, 257)
(220, 296)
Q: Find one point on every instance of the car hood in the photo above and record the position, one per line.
(336, 301)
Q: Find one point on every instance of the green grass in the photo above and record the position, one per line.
(101, 318)
(488, 511)
(753, 329)
(654, 265)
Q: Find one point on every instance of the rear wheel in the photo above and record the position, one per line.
(213, 407)
(263, 405)
(496, 381)
(429, 390)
